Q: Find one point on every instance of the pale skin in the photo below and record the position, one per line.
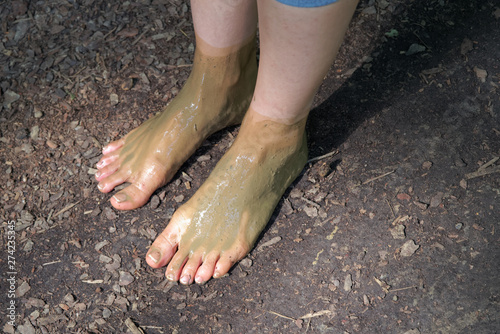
(219, 225)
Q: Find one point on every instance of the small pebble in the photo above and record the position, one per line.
(125, 278)
(155, 202)
(409, 248)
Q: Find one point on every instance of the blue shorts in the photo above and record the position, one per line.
(307, 3)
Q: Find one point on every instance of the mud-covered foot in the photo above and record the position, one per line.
(219, 225)
(216, 95)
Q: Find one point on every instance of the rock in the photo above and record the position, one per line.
(110, 214)
(436, 200)
(27, 328)
(205, 157)
(101, 244)
(311, 211)
(51, 144)
(179, 198)
(398, 232)
(113, 98)
(28, 246)
(125, 278)
(409, 248)
(427, 165)
(246, 262)
(414, 49)
(22, 289)
(348, 283)
(106, 313)
(480, 74)
(155, 202)
(35, 130)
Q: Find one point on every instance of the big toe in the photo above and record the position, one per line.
(164, 247)
(132, 197)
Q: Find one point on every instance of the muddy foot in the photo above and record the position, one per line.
(219, 225)
(216, 95)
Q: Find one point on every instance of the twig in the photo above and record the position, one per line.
(378, 177)
(66, 208)
(146, 28)
(281, 315)
(93, 281)
(310, 202)
(488, 164)
(390, 206)
(133, 327)
(408, 287)
(53, 262)
(323, 156)
(315, 314)
(482, 172)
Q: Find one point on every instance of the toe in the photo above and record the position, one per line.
(190, 268)
(228, 259)
(107, 159)
(113, 146)
(133, 196)
(165, 245)
(174, 268)
(106, 171)
(106, 184)
(206, 270)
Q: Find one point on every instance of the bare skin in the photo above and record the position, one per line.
(216, 95)
(220, 223)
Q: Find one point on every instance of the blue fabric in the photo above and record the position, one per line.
(307, 3)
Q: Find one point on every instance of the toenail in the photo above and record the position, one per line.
(100, 186)
(199, 280)
(155, 256)
(120, 197)
(98, 173)
(170, 277)
(185, 279)
(99, 165)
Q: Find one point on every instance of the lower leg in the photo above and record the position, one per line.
(216, 94)
(219, 225)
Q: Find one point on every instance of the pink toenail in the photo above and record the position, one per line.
(170, 277)
(100, 186)
(155, 256)
(99, 164)
(199, 280)
(185, 279)
(98, 174)
(120, 197)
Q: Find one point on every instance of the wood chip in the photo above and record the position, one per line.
(271, 242)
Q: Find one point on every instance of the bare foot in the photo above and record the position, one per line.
(216, 95)
(219, 225)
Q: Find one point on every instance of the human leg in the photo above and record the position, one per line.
(216, 95)
(219, 225)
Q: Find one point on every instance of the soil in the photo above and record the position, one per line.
(395, 231)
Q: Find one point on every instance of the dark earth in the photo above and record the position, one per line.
(395, 231)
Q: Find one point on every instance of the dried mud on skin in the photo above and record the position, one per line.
(395, 233)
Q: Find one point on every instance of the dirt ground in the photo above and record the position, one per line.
(396, 231)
